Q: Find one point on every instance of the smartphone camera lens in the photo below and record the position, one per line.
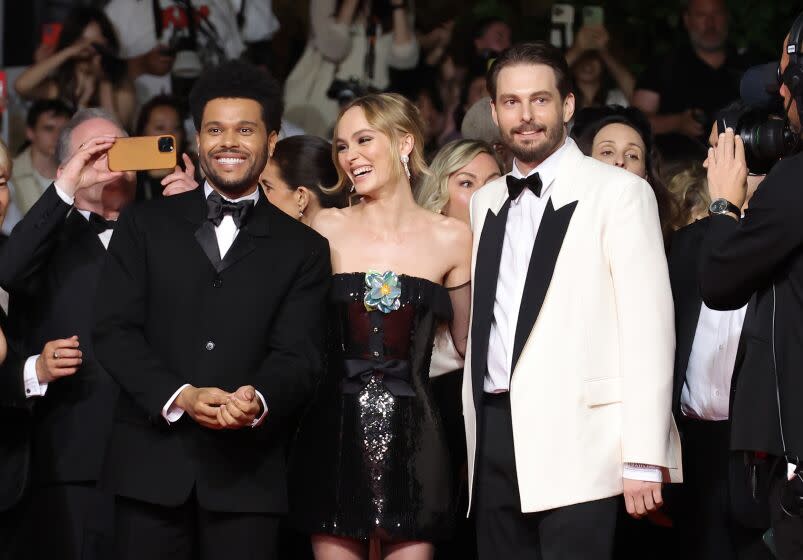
(166, 144)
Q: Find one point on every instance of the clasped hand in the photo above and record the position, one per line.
(216, 409)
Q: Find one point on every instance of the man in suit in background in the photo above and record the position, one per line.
(568, 383)
(210, 315)
(50, 266)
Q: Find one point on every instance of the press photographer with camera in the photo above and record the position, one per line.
(85, 70)
(758, 258)
(352, 46)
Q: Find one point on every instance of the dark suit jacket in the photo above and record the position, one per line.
(15, 424)
(170, 312)
(763, 250)
(50, 266)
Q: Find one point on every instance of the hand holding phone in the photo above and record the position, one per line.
(142, 153)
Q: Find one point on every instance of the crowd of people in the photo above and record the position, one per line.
(501, 300)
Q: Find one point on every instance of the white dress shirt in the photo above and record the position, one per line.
(706, 392)
(33, 388)
(523, 219)
(226, 233)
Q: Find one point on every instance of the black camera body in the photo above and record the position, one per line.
(767, 137)
(165, 144)
(345, 91)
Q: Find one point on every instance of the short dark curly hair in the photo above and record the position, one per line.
(238, 80)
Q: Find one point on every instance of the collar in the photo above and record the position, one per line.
(547, 169)
(253, 196)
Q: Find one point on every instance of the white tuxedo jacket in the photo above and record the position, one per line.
(591, 382)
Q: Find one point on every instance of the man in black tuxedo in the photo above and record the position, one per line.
(50, 267)
(762, 254)
(708, 341)
(209, 315)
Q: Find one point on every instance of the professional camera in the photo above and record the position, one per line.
(344, 91)
(767, 137)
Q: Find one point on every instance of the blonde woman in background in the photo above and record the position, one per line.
(458, 170)
(690, 189)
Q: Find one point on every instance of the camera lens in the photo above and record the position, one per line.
(166, 144)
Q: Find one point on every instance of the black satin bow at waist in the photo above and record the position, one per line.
(395, 374)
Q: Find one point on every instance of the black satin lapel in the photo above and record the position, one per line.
(546, 249)
(243, 245)
(207, 239)
(486, 274)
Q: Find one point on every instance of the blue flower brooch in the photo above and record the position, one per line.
(382, 291)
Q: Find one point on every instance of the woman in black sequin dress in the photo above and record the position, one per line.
(371, 461)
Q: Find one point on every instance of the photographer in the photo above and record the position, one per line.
(760, 254)
(84, 70)
(352, 45)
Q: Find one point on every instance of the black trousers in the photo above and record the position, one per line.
(579, 531)
(706, 528)
(67, 521)
(188, 532)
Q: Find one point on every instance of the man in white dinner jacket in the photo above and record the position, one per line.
(568, 383)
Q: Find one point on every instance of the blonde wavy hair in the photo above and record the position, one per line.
(433, 192)
(690, 189)
(394, 116)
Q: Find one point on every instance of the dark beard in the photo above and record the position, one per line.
(537, 152)
(234, 189)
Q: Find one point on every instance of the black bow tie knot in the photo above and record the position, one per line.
(219, 207)
(99, 223)
(515, 186)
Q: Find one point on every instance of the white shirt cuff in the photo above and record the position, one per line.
(258, 421)
(170, 411)
(647, 473)
(64, 196)
(32, 386)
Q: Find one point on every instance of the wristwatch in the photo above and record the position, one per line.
(723, 206)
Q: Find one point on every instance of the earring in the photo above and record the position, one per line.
(300, 213)
(405, 160)
(351, 189)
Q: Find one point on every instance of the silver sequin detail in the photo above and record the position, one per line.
(376, 408)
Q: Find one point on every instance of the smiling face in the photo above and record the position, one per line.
(364, 153)
(233, 145)
(620, 145)
(466, 181)
(530, 113)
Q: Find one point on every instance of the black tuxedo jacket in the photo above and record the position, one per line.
(50, 266)
(15, 424)
(763, 250)
(170, 312)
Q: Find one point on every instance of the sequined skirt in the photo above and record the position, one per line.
(372, 464)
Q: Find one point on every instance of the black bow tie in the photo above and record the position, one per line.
(218, 208)
(515, 186)
(99, 223)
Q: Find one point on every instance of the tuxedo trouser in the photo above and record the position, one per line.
(575, 532)
(189, 532)
(10, 522)
(706, 529)
(68, 521)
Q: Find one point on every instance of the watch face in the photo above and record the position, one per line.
(719, 205)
